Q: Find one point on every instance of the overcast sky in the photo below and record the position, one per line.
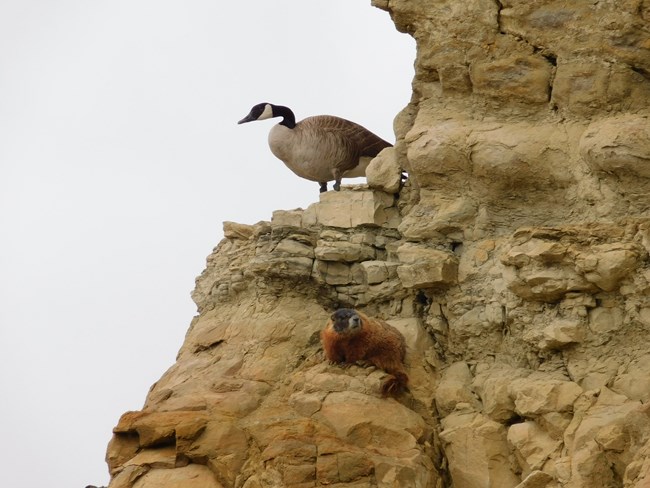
(120, 157)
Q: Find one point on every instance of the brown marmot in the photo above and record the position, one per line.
(352, 336)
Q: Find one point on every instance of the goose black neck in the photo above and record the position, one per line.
(288, 119)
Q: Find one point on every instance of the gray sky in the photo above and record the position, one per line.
(120, 158)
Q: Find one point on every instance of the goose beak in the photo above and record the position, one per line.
(248, 118)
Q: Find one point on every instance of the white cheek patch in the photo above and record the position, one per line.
(267, 114)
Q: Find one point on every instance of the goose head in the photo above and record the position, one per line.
(260, 111)
(263, 111)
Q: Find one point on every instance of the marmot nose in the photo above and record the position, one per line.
(338, 327)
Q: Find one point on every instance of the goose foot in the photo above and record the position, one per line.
(323, 186)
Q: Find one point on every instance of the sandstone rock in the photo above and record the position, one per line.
(607, 264)
(539, 396)
(557, 28)
(584, 86)
(618, 145)
(477, 321)
(348, 252)
(334, 273)
(390, 473)
(427, 275)
(637, 473)
(223, 445)
(163, 458)
(454, 388)
(287, 218)
(233, 230)
(378, 271)
(547, 270)
(603, 319)
(383, 173)
(477, 451)
(492, 387)
(360, 420)
(433, 153)
(635, 426)
(351, 208)
(424, 267)
(562, 333)
(120, 449)
(352, 466)
(455, 79)
(634, 383)
(282, 267)
(186, 477)
(125, 478)
(547, 252)
(593, 433)
(522, 77)
(548, 285)
(292, 248)
(306, 404)
(436, 216)
(416, 337)
(532, 446)
(592, 373)
(536, 479)
(159, 428)
(555, 423)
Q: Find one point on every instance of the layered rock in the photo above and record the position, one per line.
(251, 400)
(514, 260)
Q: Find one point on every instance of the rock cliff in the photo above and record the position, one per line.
(514, 260)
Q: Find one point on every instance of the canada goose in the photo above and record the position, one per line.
(321, 148)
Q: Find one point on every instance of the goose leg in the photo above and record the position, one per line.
(323, 186)
(337, 177)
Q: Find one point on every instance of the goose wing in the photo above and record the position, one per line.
(347, 141)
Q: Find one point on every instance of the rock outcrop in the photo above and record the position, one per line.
(514, 260)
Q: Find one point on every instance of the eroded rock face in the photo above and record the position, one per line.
(251, 400)
(514, 260)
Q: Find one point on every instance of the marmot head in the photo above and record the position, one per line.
(346, 321)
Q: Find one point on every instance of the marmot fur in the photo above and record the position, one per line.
(352, 336)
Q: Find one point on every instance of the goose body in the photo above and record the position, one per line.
(321, 148)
